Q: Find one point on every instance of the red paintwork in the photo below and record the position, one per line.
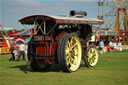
(44, 50)
(14, 32)
(47, 49)
(41, 49)
(60, 35)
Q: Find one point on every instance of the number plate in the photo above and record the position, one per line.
(38, 38)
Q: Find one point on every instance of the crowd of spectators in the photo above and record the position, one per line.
(111, 46)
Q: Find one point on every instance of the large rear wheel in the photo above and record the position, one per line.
(69, 52)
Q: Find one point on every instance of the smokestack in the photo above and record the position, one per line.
(78, 13)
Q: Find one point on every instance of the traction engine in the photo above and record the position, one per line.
(61, 40)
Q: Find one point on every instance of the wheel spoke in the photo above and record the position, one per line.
(68, 44)
(75, 60)
(72, 60)
(89, 60)
(67, 49)
(94, 55)
(93, 51)
(90, 50)
(71, 41)
(67, 55)
(72, 66)
(90, 53)
(76, 54)
(74, 45)
(68, 60)
(75, 51)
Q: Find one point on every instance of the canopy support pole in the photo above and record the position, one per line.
(52, 29)
(44, 28)
(39, 27)
(34, 27)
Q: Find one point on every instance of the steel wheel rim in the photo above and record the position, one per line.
(92, 56)
(73, 53)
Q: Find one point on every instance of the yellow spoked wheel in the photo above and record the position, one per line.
(91, 57)
(69, 52)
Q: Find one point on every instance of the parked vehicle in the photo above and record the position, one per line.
(61, 40)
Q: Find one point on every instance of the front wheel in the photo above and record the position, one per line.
(69, 52)
(38, 67)
(32, 62)
(91, 56)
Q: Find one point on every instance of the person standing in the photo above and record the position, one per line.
(21, 51)
(11, 50)
(114, 46)
(13, 47)
(15, 54)
(101, 47)
(120, 46)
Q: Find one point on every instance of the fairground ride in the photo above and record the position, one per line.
(4, 41)
(115, 16)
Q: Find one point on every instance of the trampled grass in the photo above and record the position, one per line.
(112, 69)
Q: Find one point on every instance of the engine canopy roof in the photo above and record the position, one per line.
(60, 20)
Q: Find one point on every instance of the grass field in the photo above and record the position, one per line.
(112, 69)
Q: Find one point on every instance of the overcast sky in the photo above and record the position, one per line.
(13, 10)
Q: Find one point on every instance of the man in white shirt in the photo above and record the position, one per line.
(21, 51)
